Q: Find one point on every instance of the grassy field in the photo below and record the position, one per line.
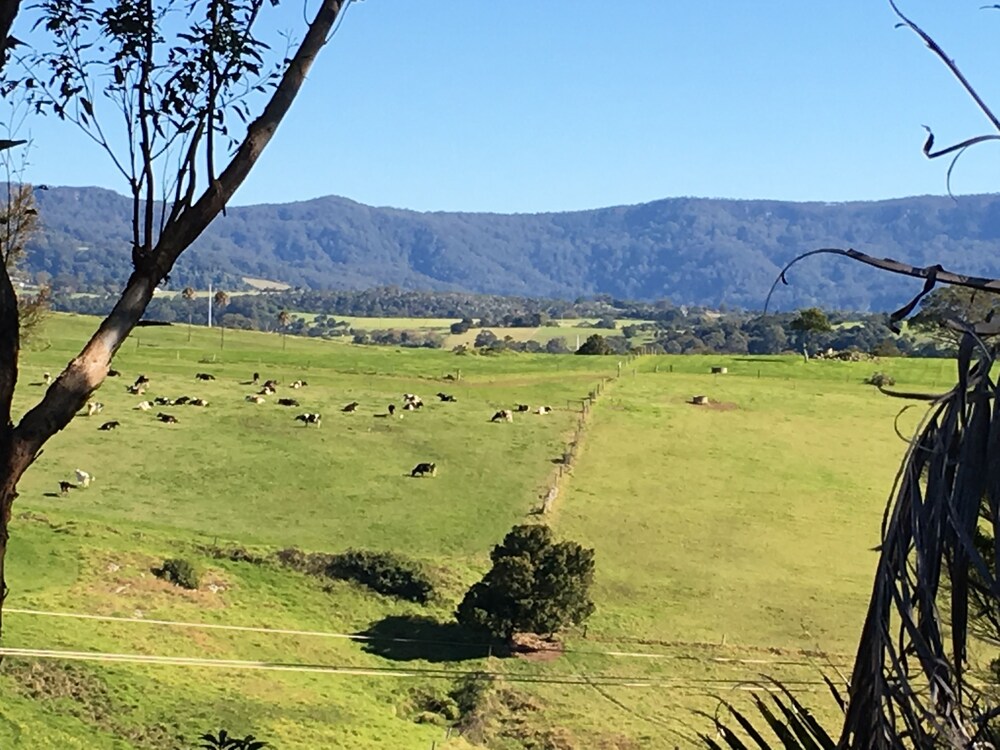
(732, 540)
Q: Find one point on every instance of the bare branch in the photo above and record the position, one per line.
(943, 56)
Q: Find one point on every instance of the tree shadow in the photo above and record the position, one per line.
(411, 637)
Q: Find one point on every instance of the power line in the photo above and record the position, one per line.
(360, 637)
(688, 683)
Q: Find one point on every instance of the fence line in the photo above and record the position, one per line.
(571, 450)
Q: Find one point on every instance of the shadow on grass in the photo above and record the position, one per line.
(411, 637)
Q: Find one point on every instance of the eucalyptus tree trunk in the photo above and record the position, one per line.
(20, 444)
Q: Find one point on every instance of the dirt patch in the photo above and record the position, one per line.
(531, 647)
(714, 405)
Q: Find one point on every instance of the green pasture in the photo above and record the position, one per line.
(732, 540)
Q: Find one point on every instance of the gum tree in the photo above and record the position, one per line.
(183, 97)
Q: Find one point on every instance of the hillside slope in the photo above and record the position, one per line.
(693, 251)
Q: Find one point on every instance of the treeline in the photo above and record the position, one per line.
(260, 311)
(625, 325)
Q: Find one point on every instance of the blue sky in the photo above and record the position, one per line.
(553, 105)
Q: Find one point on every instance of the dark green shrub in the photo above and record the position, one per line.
(179, 572)
(536, 585)
(384, 572)
(880, 379)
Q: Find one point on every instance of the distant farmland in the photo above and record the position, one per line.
(732, 540)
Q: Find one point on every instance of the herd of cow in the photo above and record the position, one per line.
(411, 402)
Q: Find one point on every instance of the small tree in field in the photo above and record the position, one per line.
(536, 585)
(283, 320)
(595, 344)
(809, 322)
(189, 297)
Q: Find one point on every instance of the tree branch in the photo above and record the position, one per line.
(193, 221)
(8, 12)
(88, 370)
(9, 347)
(931, 274)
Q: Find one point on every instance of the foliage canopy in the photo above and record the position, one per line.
(536, 585)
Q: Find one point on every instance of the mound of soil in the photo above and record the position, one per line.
(534, 647)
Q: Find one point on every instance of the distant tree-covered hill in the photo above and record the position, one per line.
(692, 251)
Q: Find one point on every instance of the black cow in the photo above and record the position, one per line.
(421, 469)
(167, 418)
(308, 419)
(523, 407)
(447, 397)
(505, 415)
(198, 402)
(141, 380)
(204, 376)
(351, 407)
(392, 409)
(113, 373)
(163, 401)
(256, 377)
(65, 487)
(113, 425)
(287, 402)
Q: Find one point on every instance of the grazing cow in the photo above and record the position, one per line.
(204, 376)
(504, 415)
(447, 397)
(287, 402)
(141, 380)
(523, 407)
(65, 487)
(543, 410)
(135, 390)
(256, 377)
(47, 378)
(83, 478)
(94, 407)
(272, 384)
(351, 407)
(266, 391)
(113, 425)
(167, 418)
(299, 384)
(308, 419)
(411, 398)
(163, 401)
(421, 469)
(181, 400)
(409, 406)
(255, 399)
(198, 402)
(392, 409)
(144, 406)
(112, 373)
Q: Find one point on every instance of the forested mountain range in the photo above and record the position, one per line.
(689, 250)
